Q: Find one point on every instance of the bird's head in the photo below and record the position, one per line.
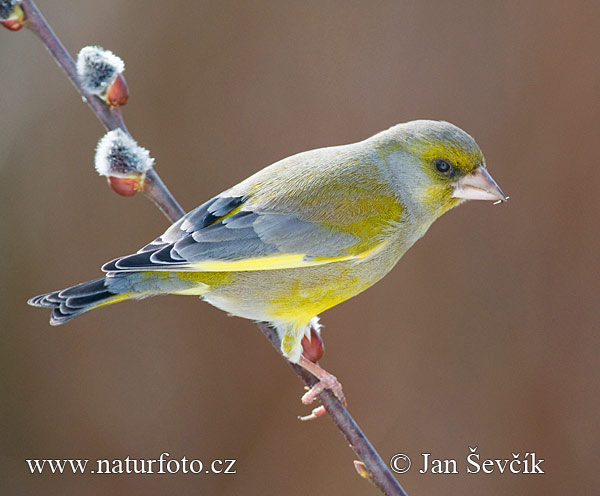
(435, 166)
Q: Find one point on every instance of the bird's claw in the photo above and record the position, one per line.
(316, 413)
(326, 381)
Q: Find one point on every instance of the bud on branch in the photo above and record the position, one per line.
(11, 15)
(123, 162)
(100, 73)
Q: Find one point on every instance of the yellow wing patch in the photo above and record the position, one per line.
(272, 262)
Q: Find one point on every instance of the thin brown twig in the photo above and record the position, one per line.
(156, 190)
(378, 471)
(110, 117)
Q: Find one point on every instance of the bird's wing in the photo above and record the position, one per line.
(291, 214)
(228, 234)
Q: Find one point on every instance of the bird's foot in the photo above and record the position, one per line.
(316, 413)
(326, 381)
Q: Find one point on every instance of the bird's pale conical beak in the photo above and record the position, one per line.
(478, 185)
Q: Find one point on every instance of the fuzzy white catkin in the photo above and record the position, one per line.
(118, 155)
(6, 8)
(97, 68)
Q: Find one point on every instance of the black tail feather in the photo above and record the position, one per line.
(72, 302)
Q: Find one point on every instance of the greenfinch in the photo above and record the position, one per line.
(303, 234)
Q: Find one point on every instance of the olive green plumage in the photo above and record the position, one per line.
(303, 234)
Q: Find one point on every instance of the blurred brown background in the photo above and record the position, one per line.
(486, 334)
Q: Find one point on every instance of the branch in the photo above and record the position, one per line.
(373, 467)
(110, 117)
(376, 469)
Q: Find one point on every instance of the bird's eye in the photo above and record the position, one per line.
(443, 166)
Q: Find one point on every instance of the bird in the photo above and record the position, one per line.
(301, 235)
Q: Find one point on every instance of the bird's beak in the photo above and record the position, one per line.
(478, 185)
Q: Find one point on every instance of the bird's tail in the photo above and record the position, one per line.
(72, 302)
(113, 288)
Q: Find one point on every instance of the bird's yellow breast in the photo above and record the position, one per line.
(293, 295)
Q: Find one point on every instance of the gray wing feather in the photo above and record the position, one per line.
(201, 217)
(201, 236)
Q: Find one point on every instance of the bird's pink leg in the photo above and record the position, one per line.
(326, 381)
